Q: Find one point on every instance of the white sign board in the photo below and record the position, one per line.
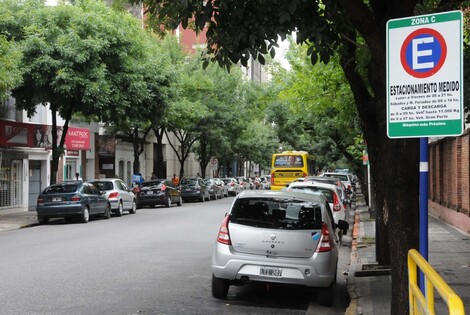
(425, 76)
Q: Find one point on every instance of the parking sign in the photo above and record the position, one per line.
(425, 75)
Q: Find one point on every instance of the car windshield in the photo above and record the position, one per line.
(56, 189)
(104, 185)
(226, 180)
(152, 183)
(288, 214)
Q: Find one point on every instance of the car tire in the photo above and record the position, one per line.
(119, 209)
(168, 202)
(180, 202)
(220, 287)
(107, 212)
(43, 220)
(85, 216)
(134, 207)
(326, 296)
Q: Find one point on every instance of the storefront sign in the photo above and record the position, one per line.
(16, 134)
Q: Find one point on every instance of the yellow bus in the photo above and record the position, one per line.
(290, 165)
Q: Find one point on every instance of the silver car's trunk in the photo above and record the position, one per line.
(274, 242)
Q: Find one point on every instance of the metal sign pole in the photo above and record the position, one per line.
(423, 202)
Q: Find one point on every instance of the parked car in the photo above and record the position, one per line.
(194, 189)
(332, 194)
(232, 186)
(158, 192)
(222, 186)
(120, 196)
(345, 179)
(72, 199)
(277, 237)
(345, 193)
(243, 182)
(215, 191)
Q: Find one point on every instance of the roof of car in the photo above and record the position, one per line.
(313, 184)
(280, 193)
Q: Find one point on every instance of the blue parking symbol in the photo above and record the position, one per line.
(423, 53)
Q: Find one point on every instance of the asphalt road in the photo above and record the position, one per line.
(156, 261)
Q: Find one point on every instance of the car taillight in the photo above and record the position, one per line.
(163, 187)
(326, 243)
(272, 178)
(224, 236)
(40, 201)
(336, 204)
(76, 198)
(304, 174)
(232, 184)
(113, 195)
(349, 187)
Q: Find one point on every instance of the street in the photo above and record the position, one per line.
(154, 262)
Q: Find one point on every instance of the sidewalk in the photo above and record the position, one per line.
(16, 219)
(370, 290)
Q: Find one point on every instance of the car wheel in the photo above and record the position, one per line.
(85, 217)
(180, 201)
(219, 287)
(134, 207)
(107, 212)
(119, 209)
(168, 202)
(43, 220)
(326, 296)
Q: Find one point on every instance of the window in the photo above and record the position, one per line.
(277, 213)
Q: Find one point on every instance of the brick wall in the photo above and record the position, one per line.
(449, 180)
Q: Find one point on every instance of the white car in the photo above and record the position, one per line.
(332, 194)
(277, 237)
(345, 179)
(119, 195)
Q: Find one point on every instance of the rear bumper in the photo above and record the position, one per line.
(191, 195)
(316, 271)
(151, 200)
(59, 211)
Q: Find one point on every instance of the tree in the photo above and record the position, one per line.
(10, 73)
(322, 105)
(356, 29)
(78, 58)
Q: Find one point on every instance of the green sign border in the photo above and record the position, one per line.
(418, 129)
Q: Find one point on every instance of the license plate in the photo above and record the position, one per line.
(56, 199)
(270, 272)
(150, 192)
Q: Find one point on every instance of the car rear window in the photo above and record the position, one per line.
(56, 189)
(341, 177)
(324, 191)
(190, 181)
(288, 214)
(104, 185)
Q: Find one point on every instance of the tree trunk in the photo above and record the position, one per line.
(160, 168)
(394, 163)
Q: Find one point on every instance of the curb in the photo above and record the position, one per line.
(353, 291)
